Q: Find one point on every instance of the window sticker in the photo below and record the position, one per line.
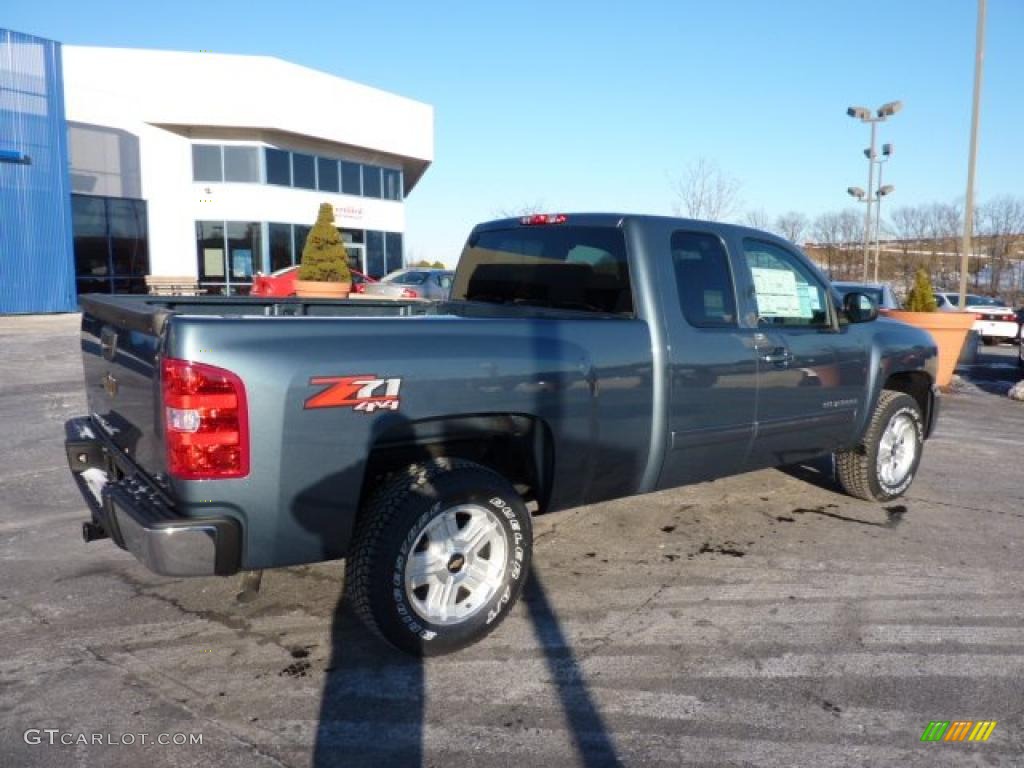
(778, 294)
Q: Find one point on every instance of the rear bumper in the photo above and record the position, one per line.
(140, 517)
(997, 329)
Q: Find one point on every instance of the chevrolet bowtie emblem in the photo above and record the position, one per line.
(110, 384)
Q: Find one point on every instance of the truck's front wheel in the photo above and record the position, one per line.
(883, 466)
(439, 557)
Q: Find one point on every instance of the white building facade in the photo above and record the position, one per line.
(212, 166)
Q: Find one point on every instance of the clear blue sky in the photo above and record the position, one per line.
(591, 106)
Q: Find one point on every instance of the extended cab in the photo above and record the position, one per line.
(580, 358)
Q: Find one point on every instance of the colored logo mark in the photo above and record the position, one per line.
(958, 730)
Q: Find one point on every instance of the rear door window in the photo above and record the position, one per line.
(559, 266)
(704, 280)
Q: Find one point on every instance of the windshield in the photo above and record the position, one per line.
(974, 300)
(406, 278)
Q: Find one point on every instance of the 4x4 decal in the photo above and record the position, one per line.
(365, 392)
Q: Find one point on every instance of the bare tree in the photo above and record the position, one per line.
(792, 225)
(825, 234)
(851, 228)
(757, 218)
(1000, 223)
(909, 224)
(704, 191)
(515, 211)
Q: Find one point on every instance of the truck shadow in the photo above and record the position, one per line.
(374, 700)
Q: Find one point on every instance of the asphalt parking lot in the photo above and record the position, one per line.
(761, 620)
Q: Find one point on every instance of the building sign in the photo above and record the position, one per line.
(349, 212)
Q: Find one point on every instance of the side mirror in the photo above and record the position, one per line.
(859, 307)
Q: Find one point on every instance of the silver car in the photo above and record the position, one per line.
(413, 283)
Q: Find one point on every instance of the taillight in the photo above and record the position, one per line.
(206, 421)
(543, 218)
(980, 317)
(409, 293)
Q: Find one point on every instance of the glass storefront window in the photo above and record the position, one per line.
(393, 250)
(392, 184)
(210, 249)
(206, 163)
(375, 264)
(327, 174)
(228, 255)
(279, 166)
(282, 254)
(371, 181)
(111, 244)
(241, 164)
(301, 233)
(303, 171)
(129, 249)
(89, 224)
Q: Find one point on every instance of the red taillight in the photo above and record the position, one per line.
(206, 420)
(980, 317)
(409, 293)
(543, 218)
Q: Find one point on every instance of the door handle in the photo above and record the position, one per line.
(779, 357)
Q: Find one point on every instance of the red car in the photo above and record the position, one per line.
(282, 282)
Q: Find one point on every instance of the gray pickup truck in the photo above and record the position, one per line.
(580, 358)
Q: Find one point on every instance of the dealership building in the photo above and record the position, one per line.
(200, 168)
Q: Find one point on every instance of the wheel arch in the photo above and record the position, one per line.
(920, 386)
(520, 447)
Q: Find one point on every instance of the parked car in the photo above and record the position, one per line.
(414, 283)
(995, 321)
(581, 358)
(880, 292)
(282, 282)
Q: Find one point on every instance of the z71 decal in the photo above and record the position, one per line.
(365, 393)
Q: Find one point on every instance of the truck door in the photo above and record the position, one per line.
(810, 375)
(712, 363)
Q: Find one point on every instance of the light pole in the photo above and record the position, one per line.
(979, 61)
(882, 191)
(865, 115)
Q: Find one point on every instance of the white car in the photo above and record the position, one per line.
(994, 320)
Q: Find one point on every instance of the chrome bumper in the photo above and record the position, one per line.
(176, 547)
(142, 518)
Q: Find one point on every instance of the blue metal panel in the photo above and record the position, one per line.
(36, 256)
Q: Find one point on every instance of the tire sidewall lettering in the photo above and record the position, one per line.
(515, 557)
(915, 418)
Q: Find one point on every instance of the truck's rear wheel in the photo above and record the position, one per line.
(882, 467)
(439, 556)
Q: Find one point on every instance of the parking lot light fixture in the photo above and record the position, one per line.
(865, 115)
(855, 192)
(889, 109)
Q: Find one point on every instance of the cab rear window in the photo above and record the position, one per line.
(562, 267)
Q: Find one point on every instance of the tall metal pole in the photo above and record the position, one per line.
(979, 61)
(867, 213)
(878, 219)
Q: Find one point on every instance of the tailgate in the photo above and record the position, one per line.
(120, 340)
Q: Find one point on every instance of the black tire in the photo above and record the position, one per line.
(857, 469)
(388, 528)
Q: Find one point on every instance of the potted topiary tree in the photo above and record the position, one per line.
(949, 329)
(324, 272)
